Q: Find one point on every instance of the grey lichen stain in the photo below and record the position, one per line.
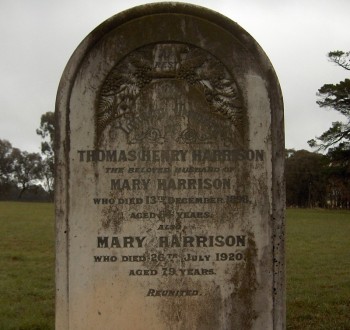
(194, 312)
(245, 283)
(209, 309)
(112, 218)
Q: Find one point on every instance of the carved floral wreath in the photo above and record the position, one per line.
(194, 65)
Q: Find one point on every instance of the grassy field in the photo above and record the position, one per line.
(318, 268)
(26, 266)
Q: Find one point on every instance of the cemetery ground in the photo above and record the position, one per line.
(318, 267)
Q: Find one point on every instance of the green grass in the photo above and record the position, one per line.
(318, 268)
(26, 266)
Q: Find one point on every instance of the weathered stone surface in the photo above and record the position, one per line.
(169, 196)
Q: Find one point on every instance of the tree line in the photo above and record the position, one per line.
(317, 180)
(313, 179)
(29, 175)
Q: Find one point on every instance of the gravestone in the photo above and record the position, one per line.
(169, 189)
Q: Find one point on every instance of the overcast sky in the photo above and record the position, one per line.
(39, 36)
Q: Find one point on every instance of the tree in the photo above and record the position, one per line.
(337, 97)
(340, 58)
(339, 176)
(27, 169)
(21, 172)
(306, 178)
(6, 160)
(5, 153)
(47, 132)
(336, 140)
